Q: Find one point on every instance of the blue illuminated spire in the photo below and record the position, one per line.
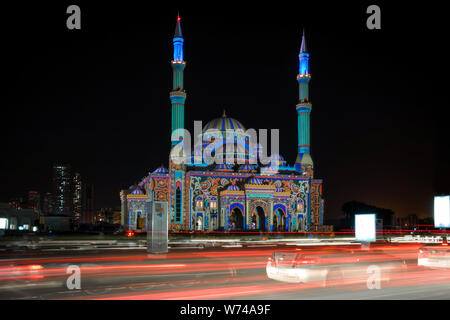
(178, 33)
(303, 57)
(303, 46)
(178, 42)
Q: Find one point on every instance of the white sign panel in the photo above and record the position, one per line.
(442, 212)
(365, 227)
(3, 223)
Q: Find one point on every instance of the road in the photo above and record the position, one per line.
(226, 272)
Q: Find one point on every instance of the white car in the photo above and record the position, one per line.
(332, 267)
(434, 256)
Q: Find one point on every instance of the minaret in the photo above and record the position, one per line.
(176, 168)
(177, 95)
(304, 162)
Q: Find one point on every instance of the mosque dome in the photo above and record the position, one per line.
(231, 142)
(224, 123)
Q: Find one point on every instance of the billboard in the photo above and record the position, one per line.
(442, 211)
(157, 227)
(365, 227)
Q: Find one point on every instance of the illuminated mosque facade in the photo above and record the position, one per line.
(239, 193)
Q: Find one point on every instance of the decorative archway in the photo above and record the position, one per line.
(300, 222)
(280, 218)
(236, 219)
(260, 218)
(274, 222)
(199, 222)
(140, 221)
(261, 203)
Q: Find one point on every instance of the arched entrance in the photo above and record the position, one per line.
(299, 223)
(260, 218)
(275, 222)
(140, 221)
(236, 219)
(199, 223)
(281, 220)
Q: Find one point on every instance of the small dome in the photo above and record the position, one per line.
(246, 168)
(233, 188)
(224, 167)
(254, 180)
(161, 170)
(137, 191)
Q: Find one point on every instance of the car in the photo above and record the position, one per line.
(332, 267)
(18, 272)
(434, 256)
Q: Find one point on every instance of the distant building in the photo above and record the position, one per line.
(105, 215)
(34, 202)
(57, 223)
(47, 203)
(88, 211)
(117, 214)
(62, 190)
(15, 219)
(77, 198)
(409, 221)
(16, 203)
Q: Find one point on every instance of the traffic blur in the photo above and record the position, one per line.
(264, 271)
(334, 266)
(434, 256)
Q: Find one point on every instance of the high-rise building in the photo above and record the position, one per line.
(87, 214)
(77, 198)
(62, 190)
(34, 202)
(47, 203)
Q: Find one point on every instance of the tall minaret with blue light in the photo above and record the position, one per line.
(177, 95)
(304, 161)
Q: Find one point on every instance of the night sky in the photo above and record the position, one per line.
(98, 98)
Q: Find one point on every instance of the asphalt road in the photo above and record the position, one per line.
(229, 272)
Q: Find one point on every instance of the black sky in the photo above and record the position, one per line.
(98, 97)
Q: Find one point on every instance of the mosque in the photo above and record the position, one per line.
(239, 192)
